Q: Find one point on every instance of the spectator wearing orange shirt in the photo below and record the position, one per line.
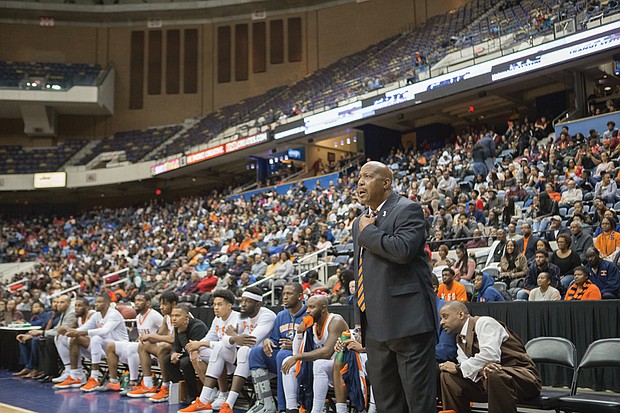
(451, 290)
(582, 288)
(608, 240)
(553, 194)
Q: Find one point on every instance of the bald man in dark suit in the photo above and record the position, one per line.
(395, 303)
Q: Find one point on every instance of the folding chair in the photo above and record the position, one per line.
(600, 354)
(552, 350)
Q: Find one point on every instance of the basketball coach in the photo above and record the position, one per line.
(395, 304)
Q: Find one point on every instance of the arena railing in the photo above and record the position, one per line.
(23, 280)
(112, 274)
(105, 277)
(302, 268)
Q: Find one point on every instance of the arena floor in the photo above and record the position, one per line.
(24, 396)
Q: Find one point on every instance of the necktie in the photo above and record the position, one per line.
(361, 303)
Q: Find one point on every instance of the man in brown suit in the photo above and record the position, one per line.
(493, 365)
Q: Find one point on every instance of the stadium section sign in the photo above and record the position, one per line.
(50, 180)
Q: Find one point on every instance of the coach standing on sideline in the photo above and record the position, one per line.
(395, 304)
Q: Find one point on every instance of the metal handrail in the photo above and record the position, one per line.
(8, 286)
(272, 292)
(68, 290)
(105, 277)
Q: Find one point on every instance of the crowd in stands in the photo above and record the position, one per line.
(538, 203)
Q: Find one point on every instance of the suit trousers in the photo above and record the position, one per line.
(183, 370)
(402, 373)
(502, 390)
(48, 356)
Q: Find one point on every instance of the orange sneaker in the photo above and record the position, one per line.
(111, 386)
(142, 391)
(70, 383)
(226, 408)
(198, 407)
(91, 385)
(161, 396)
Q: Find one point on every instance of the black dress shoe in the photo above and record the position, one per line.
(40, 376)
(45, 379)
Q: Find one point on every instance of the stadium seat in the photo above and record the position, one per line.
(469, 288)
(552, 350)
(501, 287)
(492, 271)
(189, 298)
(342, 259)
(205, 299)
(603, 353)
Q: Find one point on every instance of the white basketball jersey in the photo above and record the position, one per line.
(149, 323)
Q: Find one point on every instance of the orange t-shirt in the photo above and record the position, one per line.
(456, 293)
(607, 243)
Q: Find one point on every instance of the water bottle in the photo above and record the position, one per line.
(346, 334)
(125, 380)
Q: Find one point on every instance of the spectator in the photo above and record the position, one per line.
(259, 267)
(446, 184)
(566, 259)
(543, 212)
(451, 290)
(208, 283)
(582, 288)
(603, 165)
(340, 291)
(500, 248)
(544, 291)
(540, 264)
(464, 228)
(12, 314)
(464, 266)
(484, 290)
(443, 257)
(606, 189)
(222, 278)
(581, 241)
(314, 285)
(513, 264)
(284, 270)
(609, 240)
(527, 244)
(478, 240)
(475, 214)
(611, 127)
(604, 274)
(571, 195)
(511, 211)
(555, 229)
(271, 268)
(323, 242)
(553, 194)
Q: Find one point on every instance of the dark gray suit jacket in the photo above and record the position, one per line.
(399, 296)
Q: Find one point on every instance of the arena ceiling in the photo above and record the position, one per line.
(83, 12)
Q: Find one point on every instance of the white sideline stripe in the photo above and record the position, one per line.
(9, 408)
